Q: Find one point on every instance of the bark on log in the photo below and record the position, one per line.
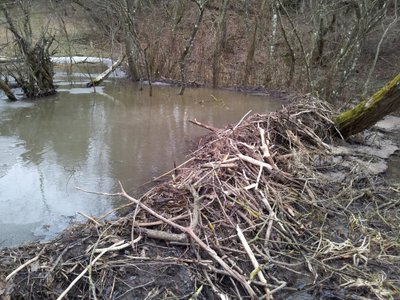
(106, 73)
(371, 110)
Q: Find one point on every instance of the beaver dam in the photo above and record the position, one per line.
(268, 208)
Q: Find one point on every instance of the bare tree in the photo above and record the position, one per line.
(358, 19)
(124, 12)
(33, 71)
(219, 44)
(201, 5)
(312, 46)
(179, 7)
(252, 47)
(378, 47)
(291, 53)
(127, 10)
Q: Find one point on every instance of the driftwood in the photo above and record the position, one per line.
(96, 81)
(208, 127)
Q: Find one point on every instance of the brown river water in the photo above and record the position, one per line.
(93, 140)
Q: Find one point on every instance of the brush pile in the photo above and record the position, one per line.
(261, 210)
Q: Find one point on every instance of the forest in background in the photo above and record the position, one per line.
(335, 49)
(286, 205)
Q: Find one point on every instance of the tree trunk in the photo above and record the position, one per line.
(7, 90)
(219, 45)
(131, 38)
(371, 110)
(201, 6)
(252, 48)
(290, 58)
(106, 73)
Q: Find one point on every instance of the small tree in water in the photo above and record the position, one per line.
(32, 68)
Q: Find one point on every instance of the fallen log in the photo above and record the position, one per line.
(371, 110)
(96, 81)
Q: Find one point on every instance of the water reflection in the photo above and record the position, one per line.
(93, 140)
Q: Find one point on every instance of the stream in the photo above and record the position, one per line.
(94, 138)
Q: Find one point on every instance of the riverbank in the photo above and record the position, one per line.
(273, 206)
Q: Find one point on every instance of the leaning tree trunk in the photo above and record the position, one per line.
(7, 91)
(371, 110)
(99, 79)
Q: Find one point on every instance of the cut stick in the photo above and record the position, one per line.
(120, 247)
(13, 273)
(253, 260)
(208, 127)
(216, 165)
(255, 162)
(162, 235)
(265, 147)
(272, 218)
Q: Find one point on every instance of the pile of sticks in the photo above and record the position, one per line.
(251, 214)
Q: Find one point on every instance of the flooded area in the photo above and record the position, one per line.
(92, 139)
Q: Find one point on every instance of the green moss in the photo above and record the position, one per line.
(394, 84)
(350, 115)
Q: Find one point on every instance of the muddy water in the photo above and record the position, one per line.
(92, 140)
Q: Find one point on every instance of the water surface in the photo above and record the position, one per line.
(92, 140)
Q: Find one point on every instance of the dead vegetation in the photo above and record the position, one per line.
(259, 211)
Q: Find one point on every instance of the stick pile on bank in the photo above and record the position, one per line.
(255, 213)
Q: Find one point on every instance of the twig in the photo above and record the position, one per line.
(13, 273)
(271, 217)
(120, 247)
(104, 251)
(207, 248)
(170, 171)
(265, 146)
(148, 224)
(90, 218)
(208, 127)
(171, 259)
(241, 120)
(378, 49)
(255, 162)
(253, 259)
(216, 165)
(197, 293)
